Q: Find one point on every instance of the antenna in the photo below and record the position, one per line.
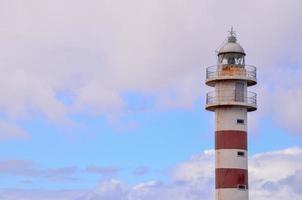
(232, 32)
(232, 38)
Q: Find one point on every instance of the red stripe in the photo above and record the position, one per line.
(231, 140)
(231, 178)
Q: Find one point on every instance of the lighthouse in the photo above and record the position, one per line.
(231, 101)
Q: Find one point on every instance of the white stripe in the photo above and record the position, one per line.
(231, 194)
(226, 118)
(228, 158)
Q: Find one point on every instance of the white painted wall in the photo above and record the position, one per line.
(231, 194)
(225, 90)
(226, 118)
(227, 158)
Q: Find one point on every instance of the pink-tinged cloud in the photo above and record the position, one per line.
(140, 171)
(30, 169)
(191, 180)
(94, 52)
(9, 130)
(104, 171)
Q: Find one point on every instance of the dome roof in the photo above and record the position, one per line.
(231, 46)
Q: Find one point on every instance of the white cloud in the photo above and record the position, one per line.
(272, 175)
(289, 114)
(286, 163)
(109, 190)
(94, 52)
(200, 167)
(116, 190)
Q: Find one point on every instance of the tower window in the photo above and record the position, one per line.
(240, 121)
(231, 59)
(240, 153)
(241, 187)
(239, 93)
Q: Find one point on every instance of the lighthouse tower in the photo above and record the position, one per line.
(231, 101)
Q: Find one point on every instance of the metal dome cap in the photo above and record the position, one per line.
(231, 46)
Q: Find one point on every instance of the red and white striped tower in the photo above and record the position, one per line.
(231, 101)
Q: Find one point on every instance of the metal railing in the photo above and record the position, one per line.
(216, 71)
(213, 98)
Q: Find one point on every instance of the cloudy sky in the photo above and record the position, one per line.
(104, 99)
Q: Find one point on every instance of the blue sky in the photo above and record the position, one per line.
(105, 99)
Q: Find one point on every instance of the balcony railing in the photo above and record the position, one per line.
(248, 100)
(247, 72)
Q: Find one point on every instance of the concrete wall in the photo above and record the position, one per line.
(231, 169)
(228, 158)
(231, 194)
(226, 118)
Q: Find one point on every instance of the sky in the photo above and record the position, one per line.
(104, 99)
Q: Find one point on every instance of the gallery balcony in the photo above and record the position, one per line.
(215, 100)
(246, 73)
